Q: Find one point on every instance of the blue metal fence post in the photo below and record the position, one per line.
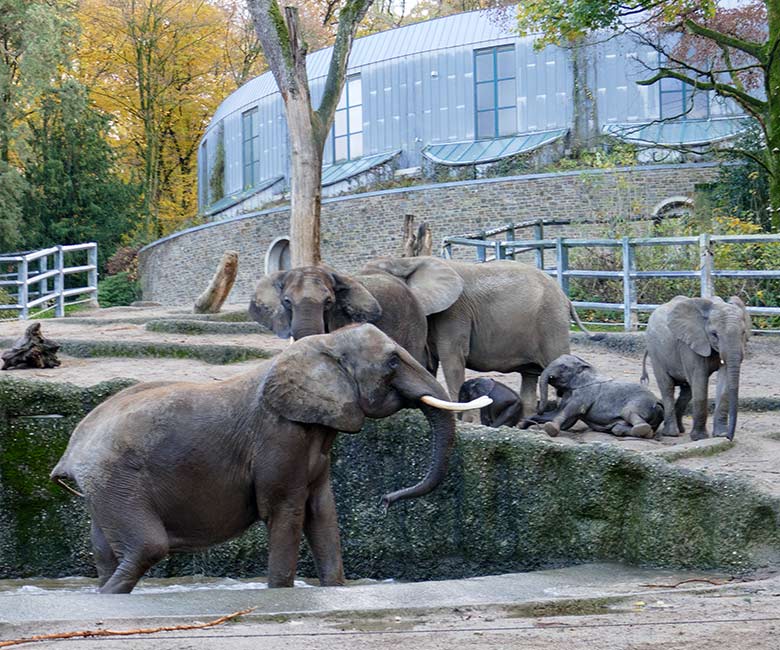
(629, 286)
(43, 285)
(23, 296)
(510, 236)
(92, 275)
(59, 283)
(563, 264)
(481, 251)
(538, 236)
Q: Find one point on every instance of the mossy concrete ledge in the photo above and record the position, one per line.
(511, 501)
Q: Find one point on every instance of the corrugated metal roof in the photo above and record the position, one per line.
(484, 151)
(229, 201)
(428, 36)
(680, 132)
(341, 171)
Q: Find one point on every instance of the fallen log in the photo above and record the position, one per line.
(212, 299)
(31, 351)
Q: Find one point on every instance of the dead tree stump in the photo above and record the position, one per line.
(212, 299)
(416, 243)
(32, 351)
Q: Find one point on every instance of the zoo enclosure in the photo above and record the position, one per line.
(40, 279)
(507, 248)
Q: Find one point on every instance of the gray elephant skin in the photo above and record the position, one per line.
(316, 300)
(181, 466)
(688, 339)
(502, 316)
(506, 409)
(617, 407)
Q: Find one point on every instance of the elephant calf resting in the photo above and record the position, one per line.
(606, 405)
(175, 466)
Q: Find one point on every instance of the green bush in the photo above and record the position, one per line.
(118, 290)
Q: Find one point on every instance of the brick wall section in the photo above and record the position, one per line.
(356, 228)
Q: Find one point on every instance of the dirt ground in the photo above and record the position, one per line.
(755, 453)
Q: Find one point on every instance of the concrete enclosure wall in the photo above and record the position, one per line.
(356, 228)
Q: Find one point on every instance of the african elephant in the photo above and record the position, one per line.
(503, 316)
(506, 409)
(180, 466)
(617, 407)
(317, 299)
(687, 340)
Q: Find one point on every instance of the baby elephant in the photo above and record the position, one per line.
(606, 405)
(506, 409)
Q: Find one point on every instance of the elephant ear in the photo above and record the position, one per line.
(266, 305)
(356, 303)
(688, 323)
(307, 385)
(433, 282)
(737, 301)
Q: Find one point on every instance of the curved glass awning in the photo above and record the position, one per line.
(475, 152)
(680, 133)
(229, 201)
(342, 171)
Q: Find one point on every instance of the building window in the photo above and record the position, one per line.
(348, 122)
(679, 100)
(495, 90)
(250, 130)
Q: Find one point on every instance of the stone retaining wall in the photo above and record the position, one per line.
(356, 228)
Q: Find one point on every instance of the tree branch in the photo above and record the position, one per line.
(756, 50)
(274, 37)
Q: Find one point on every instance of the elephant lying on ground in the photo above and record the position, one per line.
(181, 466)
(316, 300)
(506, 409)
(687, 340)
(503, 316)
(606, 405)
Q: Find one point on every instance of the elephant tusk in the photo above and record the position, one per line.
(478, 403)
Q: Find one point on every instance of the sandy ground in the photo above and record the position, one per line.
(755, 454)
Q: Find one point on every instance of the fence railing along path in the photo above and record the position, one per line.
(486, 249)
(44, 280)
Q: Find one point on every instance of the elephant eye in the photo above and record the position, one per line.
(286, 301)
(394, 361)
(328, 302)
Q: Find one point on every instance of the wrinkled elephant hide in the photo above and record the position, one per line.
(31, 351)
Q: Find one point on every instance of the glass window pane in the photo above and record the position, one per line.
(486, 124)
(247, 151)
(484, 66)
(355, 91)
(673, 85)
(256, 150)
(256, 175)
(698, 104)
(506, 93)
(340, 146)
(340, 123)
(505, 62)
(486, 96)
(255, 122)
(507, 121)
(671, 105)
(356, 145)
(355, 119)
(343, 100)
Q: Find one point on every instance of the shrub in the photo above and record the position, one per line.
(118, 290)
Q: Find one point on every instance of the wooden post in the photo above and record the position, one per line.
(419, 242)
(629, 286)
(705, 266)
(212, 299)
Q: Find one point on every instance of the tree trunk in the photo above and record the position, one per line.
(416, 243)
(584, 120)
(772, 88)
(32, 351)
(212, 299)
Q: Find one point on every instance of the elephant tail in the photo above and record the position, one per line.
(645, 378)
(58, 476)
(576, 319)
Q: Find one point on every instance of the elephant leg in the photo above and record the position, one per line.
(564, 419)
(639, 427)
(698, 384)
(322, 532)
(681, 405)
(145, 545)
(721, 415)
(528, 397)
(666, 388)
(285, 528)
(106, 561)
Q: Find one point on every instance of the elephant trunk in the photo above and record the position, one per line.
(732, 391)
(307, 322)
(543, 389)
(443, 432)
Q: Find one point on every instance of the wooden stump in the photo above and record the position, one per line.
(212, 299)
(416, 243)
(32, 351)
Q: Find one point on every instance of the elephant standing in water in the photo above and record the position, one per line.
(503, 316)
(317, 299)
(170, 466)
(687, 340)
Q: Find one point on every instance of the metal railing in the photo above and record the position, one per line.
(38, 279)
(706, 273)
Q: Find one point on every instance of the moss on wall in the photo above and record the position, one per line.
(511, 501)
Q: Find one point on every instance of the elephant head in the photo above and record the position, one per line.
(339, 379)
(311, 300)
(566, 372)
(435, 285)
(714, 327)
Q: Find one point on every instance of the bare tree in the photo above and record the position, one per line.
(285, 51)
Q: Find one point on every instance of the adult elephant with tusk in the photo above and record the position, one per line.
(688, 339)
(181, 466)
